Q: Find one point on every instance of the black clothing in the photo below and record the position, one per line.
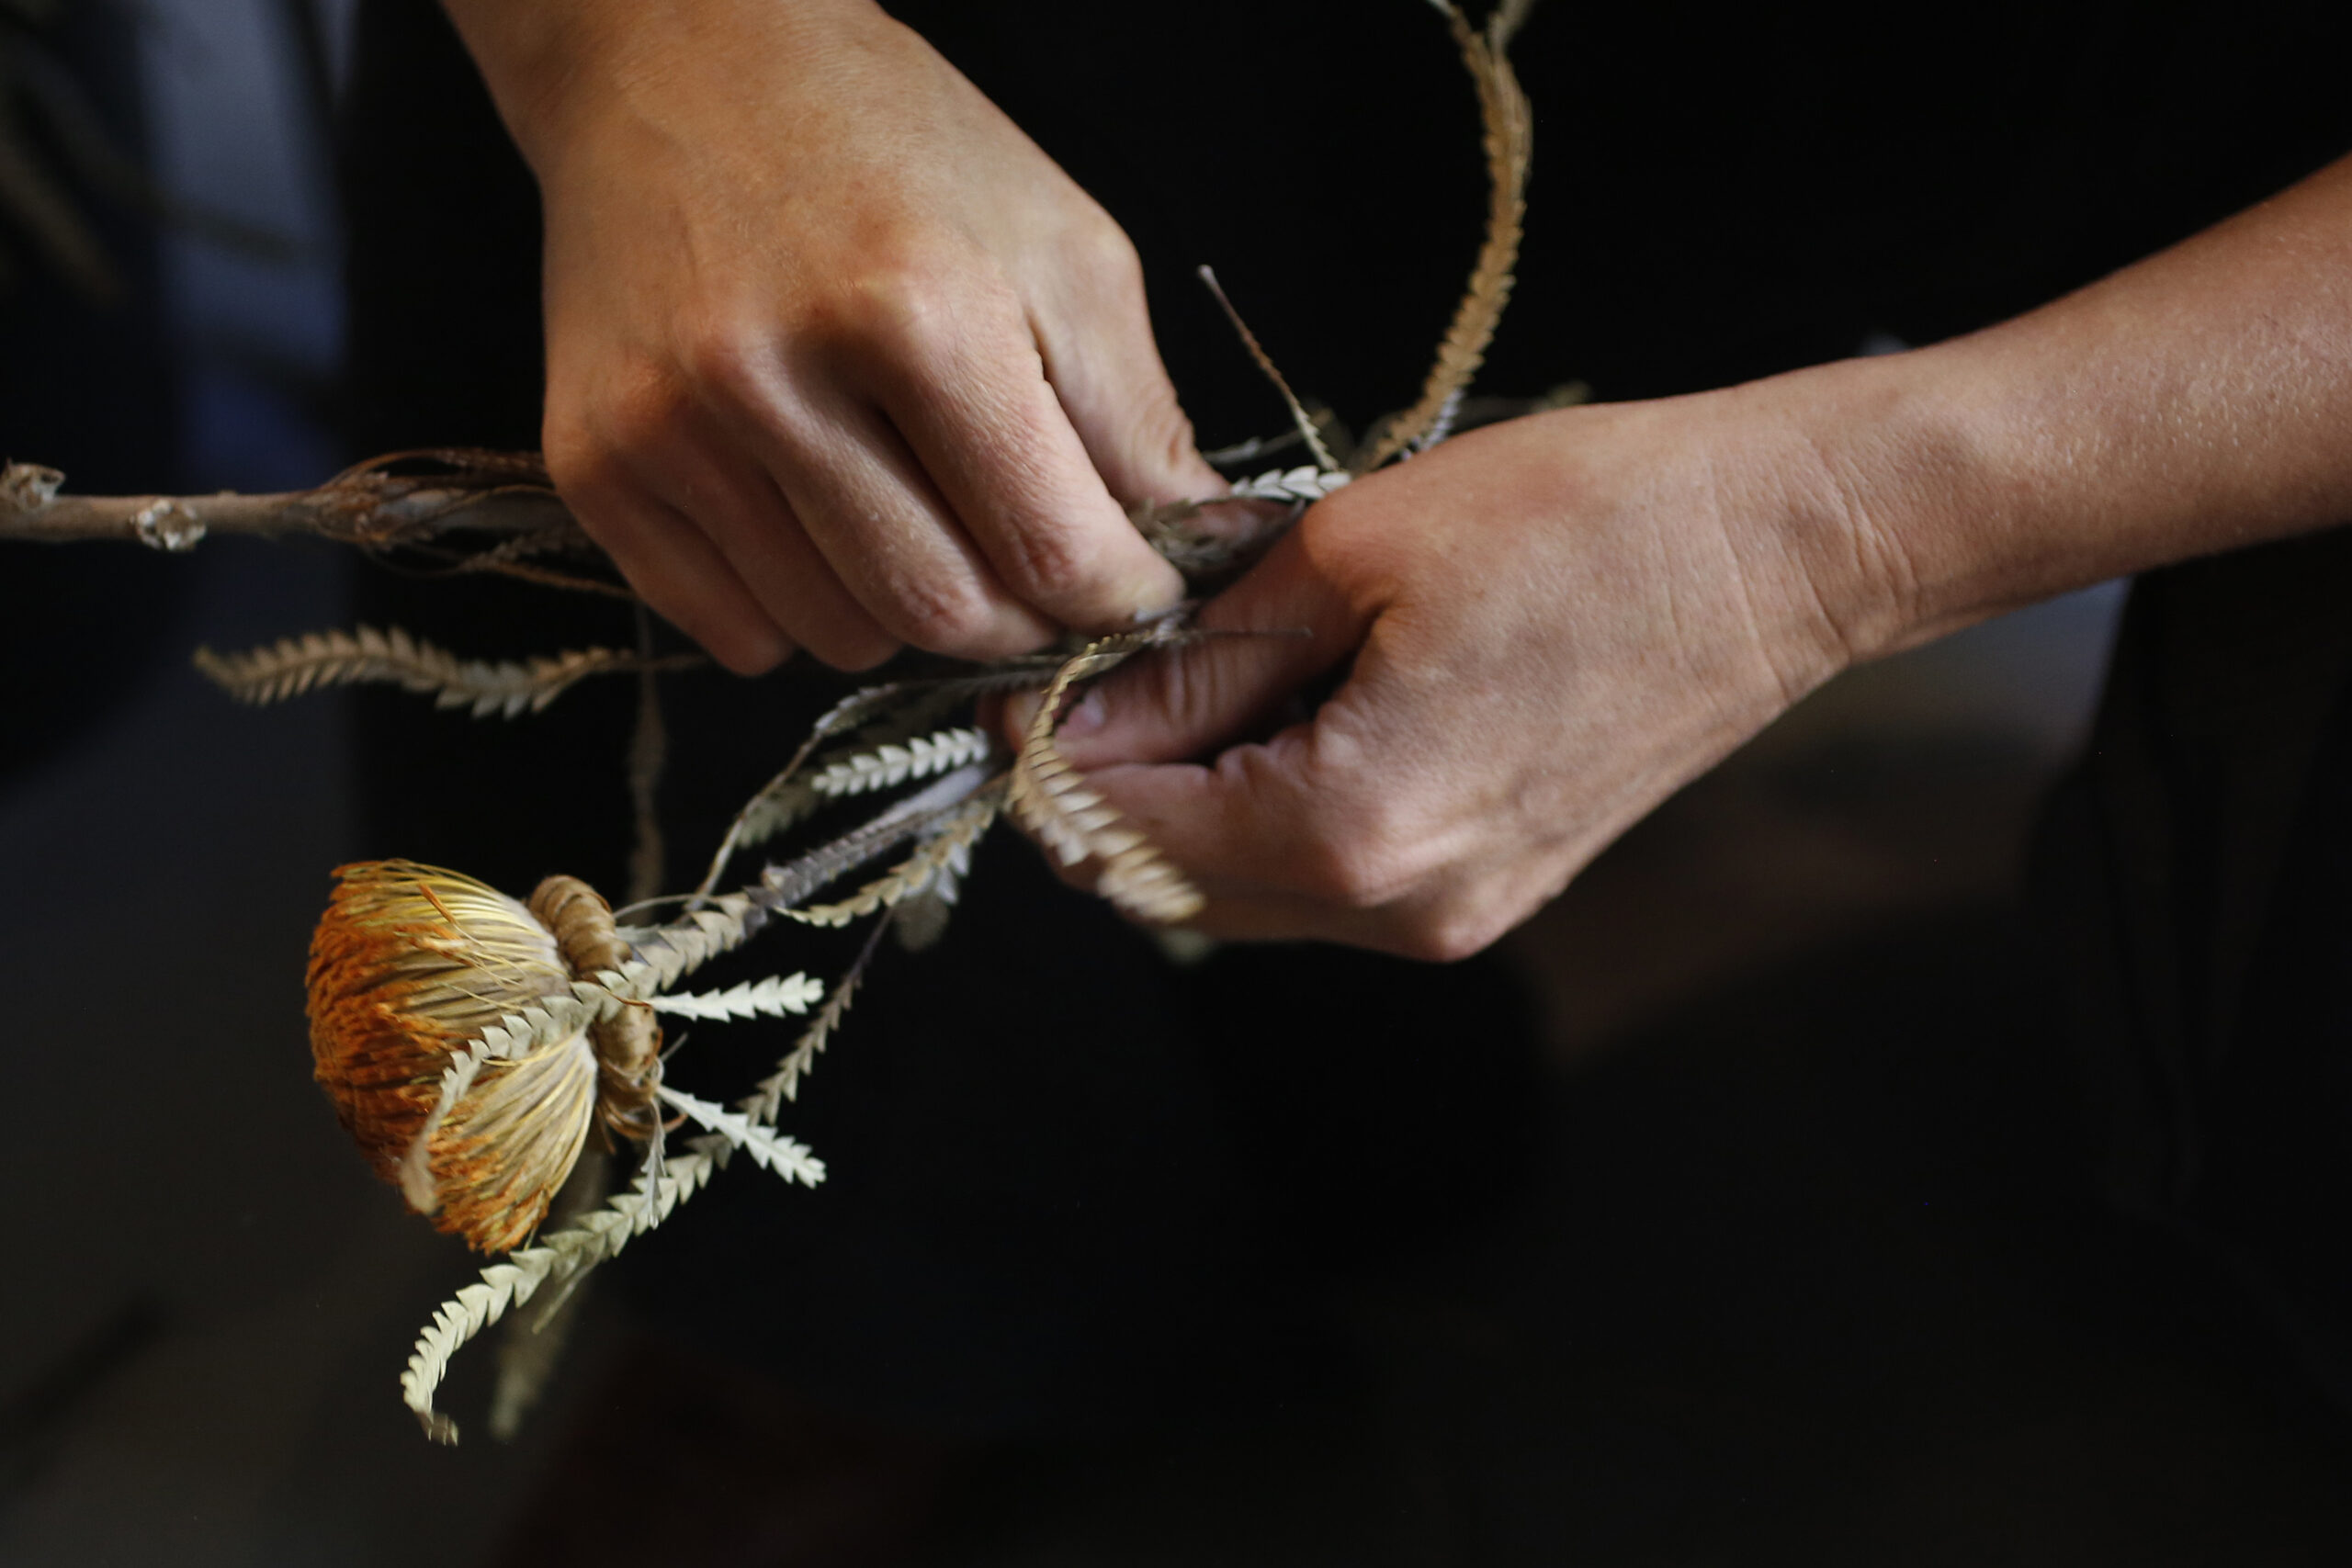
(2199, 866)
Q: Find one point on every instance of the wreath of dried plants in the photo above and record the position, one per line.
(476, 1045)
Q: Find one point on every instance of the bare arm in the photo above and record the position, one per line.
(1555, 622)
(2197, 401)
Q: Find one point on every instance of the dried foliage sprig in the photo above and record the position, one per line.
(766, 1101)
(555, 1260)
(894, 711)
(1509, 142)
(778, 995)
(1052, 800)
(889, 765)
(945, 853)
(295, 665)
(769, 1149)
(536, 1332)
(477, 1045)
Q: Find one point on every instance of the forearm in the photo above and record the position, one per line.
(534, 52)
(2197, 401)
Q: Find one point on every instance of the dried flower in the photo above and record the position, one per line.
(409, 966)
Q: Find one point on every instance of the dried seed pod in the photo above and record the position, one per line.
(408, 965)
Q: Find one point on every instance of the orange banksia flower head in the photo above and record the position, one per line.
(408, 968)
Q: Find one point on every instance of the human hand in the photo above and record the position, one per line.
(1554, 622)
(836, 357)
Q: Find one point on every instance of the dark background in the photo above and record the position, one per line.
(1773, 1237)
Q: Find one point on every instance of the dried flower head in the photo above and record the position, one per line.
(412, 964)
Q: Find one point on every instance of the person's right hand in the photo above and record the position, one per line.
(837, 359)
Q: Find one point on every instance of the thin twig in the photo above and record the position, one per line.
(1306, 422)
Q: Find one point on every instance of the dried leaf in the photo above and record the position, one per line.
(947, 853)
(1300, 484)
(537, 1331)
(772, 1150)
(788, 885)
(891, 764)
(1510, 139)
(1051, 799)
(783, 1084)
(896, 711)
(555, 1259)
(365, 655)
(776, 997)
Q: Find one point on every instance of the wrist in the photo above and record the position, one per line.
(549, 63)
(1904, 512)
(530, 57)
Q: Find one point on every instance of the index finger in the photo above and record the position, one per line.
(985, 422)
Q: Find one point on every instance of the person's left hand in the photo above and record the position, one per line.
(1554, 622)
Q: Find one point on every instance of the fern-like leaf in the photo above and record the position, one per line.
(891, 766)
(771, 1149)
(1509, 138)
(894, 713)
(364, 656)
(1301, 484)
(1051, 799)
(553, 1260)
(764, 1103)
(776, 997)
(947, 853)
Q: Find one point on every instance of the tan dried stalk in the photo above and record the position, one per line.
(1051, 798)
(363, 656)
(1509, 142)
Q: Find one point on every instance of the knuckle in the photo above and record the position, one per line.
(1447, 934)
(1367, 851)
(1047, 563)
(1096, 243)
(1161, 428)
(726, 362)
(1348, 867)
(904, 301)
(941, 618)
(637, 411)
(584, 469)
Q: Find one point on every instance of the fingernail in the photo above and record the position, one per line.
(1087, 716)
(1162, 591)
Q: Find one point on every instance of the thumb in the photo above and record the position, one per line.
(1271, 634)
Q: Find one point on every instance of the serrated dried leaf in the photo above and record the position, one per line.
(1300, 484)
(946, 853)
(554, 1259)
(1052, 799)
(893, 712)
(763, 1104)
(776, 997)
(771, 1149)
(891, 764)
(1509, 141)
(364, 655)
